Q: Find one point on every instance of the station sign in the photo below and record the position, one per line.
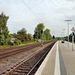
(73, 33)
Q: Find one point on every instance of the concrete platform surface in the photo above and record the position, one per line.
(68, 57)
(59, 61)
(48, 65)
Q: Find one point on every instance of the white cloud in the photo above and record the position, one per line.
(51, 12)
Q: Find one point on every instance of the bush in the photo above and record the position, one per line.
(17, 42)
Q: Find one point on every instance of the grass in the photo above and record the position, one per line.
(8, 46)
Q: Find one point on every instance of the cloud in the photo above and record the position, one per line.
(51, 12)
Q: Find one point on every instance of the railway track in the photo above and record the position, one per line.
(8, 49)
(11, 51)
(30, 65)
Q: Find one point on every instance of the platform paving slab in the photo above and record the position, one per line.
(66, 60)
(68, 57)
(48, 65)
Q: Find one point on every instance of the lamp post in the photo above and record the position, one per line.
(68, 30)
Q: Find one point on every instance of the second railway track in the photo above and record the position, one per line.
(11, 51)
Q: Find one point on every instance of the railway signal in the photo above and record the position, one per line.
(41, 31)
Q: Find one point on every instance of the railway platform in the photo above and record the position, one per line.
(59, 61)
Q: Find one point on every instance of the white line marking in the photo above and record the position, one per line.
(57, 63)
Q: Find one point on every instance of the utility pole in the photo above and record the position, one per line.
(68, 30)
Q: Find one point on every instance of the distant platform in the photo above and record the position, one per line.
(59, 61)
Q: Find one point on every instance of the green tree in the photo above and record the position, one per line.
(3, 21)
(44, 37)
(22, 32)
(48, 35)
(3, 29)
(14, 35)
(21, 35)
(37, 31)
(17, 42)
(70, 38)
(29, 37)
(2, 39)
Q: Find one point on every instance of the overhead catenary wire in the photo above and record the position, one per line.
(41, 11)
(31, 10)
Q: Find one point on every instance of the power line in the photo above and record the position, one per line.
(30, 9)
(41, 11)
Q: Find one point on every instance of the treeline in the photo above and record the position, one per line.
(40, 33)
(70, 38)
(21, 36)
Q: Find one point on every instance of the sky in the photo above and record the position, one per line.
(52, 13)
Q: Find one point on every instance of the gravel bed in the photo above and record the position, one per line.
(12, 61)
